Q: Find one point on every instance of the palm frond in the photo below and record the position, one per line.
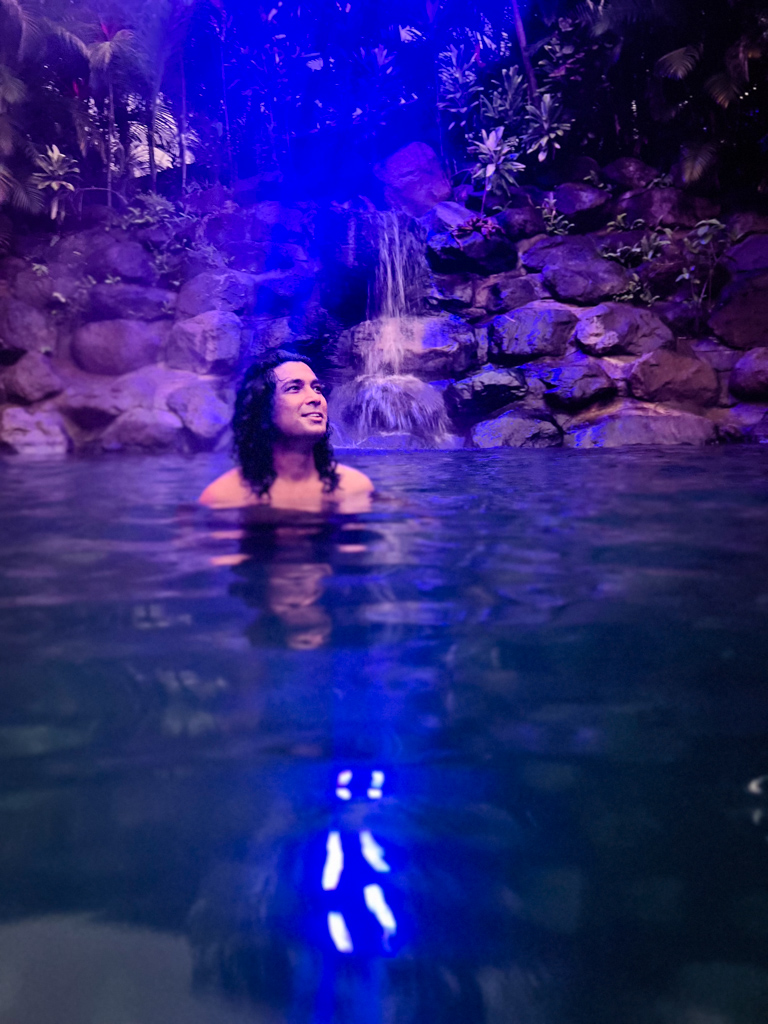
(12, 89)
(70, 39)
(697, 159)
(722, 88)
(678, 63)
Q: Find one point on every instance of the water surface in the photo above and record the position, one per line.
(492, 752)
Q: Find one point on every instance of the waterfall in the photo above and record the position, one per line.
(399, 271)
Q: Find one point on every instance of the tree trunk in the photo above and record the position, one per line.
(110, 140)
(183, 129)
(151, 142)
(523, 44)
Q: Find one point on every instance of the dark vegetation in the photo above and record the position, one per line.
(100, 100)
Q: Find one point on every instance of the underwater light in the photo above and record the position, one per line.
(372, 852)
(375, 902)
(334, 861)
(337, 928)
(342, 782)
(377, 782)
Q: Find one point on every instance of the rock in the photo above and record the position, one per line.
(747, 256)
(559, 250)
(515, 429)
(742, 224)
(414, 180)
(115, 347)
(737, 423)
(146, 430)
(131, 302)
(32, 431)
(484, 392)
(627, 422)
(521, 221)
(445, 217)
(477, 252)
(541, 328)
(260, 334)
(31, 379)
(25, 329)
(229, 290)
(431, 347)
(719, 357)
(574, 270)
(201, 410)
(207, 343)
(616, 328)
(452, 292)
(627, 172)
(666, 207)
(503, 292)
(749, 377)
(91, 403)
(281, 292)
(572, 383)
(573, 199)
(759, 433)
(106, 253)
(54, 288)
(665, 376)
(740, 317)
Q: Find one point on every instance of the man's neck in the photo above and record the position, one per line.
(294, 460)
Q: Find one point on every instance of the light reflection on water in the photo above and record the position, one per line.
(493, 752)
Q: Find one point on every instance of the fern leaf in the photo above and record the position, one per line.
(722, 88)
(678, 63)
(697, 160)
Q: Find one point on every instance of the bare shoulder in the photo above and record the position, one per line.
(229, 490)
(353, 481)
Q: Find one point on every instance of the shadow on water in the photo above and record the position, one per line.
(492, 753)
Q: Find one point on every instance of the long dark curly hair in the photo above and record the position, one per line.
(255, 433)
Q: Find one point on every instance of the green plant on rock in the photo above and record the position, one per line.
(648, 247)
(54, 180)
(636, 291)
(555, 223)
(704, 246)
(496, 162)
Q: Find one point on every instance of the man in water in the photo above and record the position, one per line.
(281, 439)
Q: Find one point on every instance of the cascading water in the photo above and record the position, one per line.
(384, 401)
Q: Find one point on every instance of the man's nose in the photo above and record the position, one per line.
(314, 398)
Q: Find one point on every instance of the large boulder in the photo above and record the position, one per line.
(616, 328)
(261, 334)
(540, 328)
(574, 270)
(144, 430)
(503, 292)
(479, 252)
(24, 328)
(571, 383)
(32, 431)
(746, 223)
(200, 409)
(446, 217)
(414, 180)
(749, 377)
(281, 292)
(737, 423)
(666, 207)
(573, 199)
(228, 290)
(31, 379)
(482, 393)
(51, 285)
(131, 302)
(759, 433)
(521, 221)
(628, 172)
(719, 356)
(90, 403)
(207, 343)
(666, 376)
(628, 422)
(429, 347)
(115, 347)
(740, 317)
(452, 292)
(105, 253)
(516, 429)
(748, 256)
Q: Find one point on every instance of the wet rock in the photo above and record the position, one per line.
(57, 286)
(759, 433)
(666, 207)
(91, 403)
(747, 223)
(25, 329)
(130, 302)
(541, 328)
(229, 290)
(281, 292)
(616, 328)
(749, 377)
(573, 269)
(740, 317)
(627, 172)
(261, 334)
(573, 198)
(201, 410)
(503, 292)
(747, 256)
(452, 292)
(31, 379)
(430, 347)
(521, 221)
(446, 217)
(32, 431)
(207, 343)
(737, 423)
(484, 392)
(628, 422)
(115, 347)
(146, 430)
(516, 429)
(572, 383)
(414, 180)
(479, 252)
(665, 376)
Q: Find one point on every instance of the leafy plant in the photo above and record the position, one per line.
(504, 102)
(546, 127)
(54, 179)
(458, 88)
(704, 245)
(555, 223)
(496, 162)
(636, 291)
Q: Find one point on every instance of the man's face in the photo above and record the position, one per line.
(300, 408)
